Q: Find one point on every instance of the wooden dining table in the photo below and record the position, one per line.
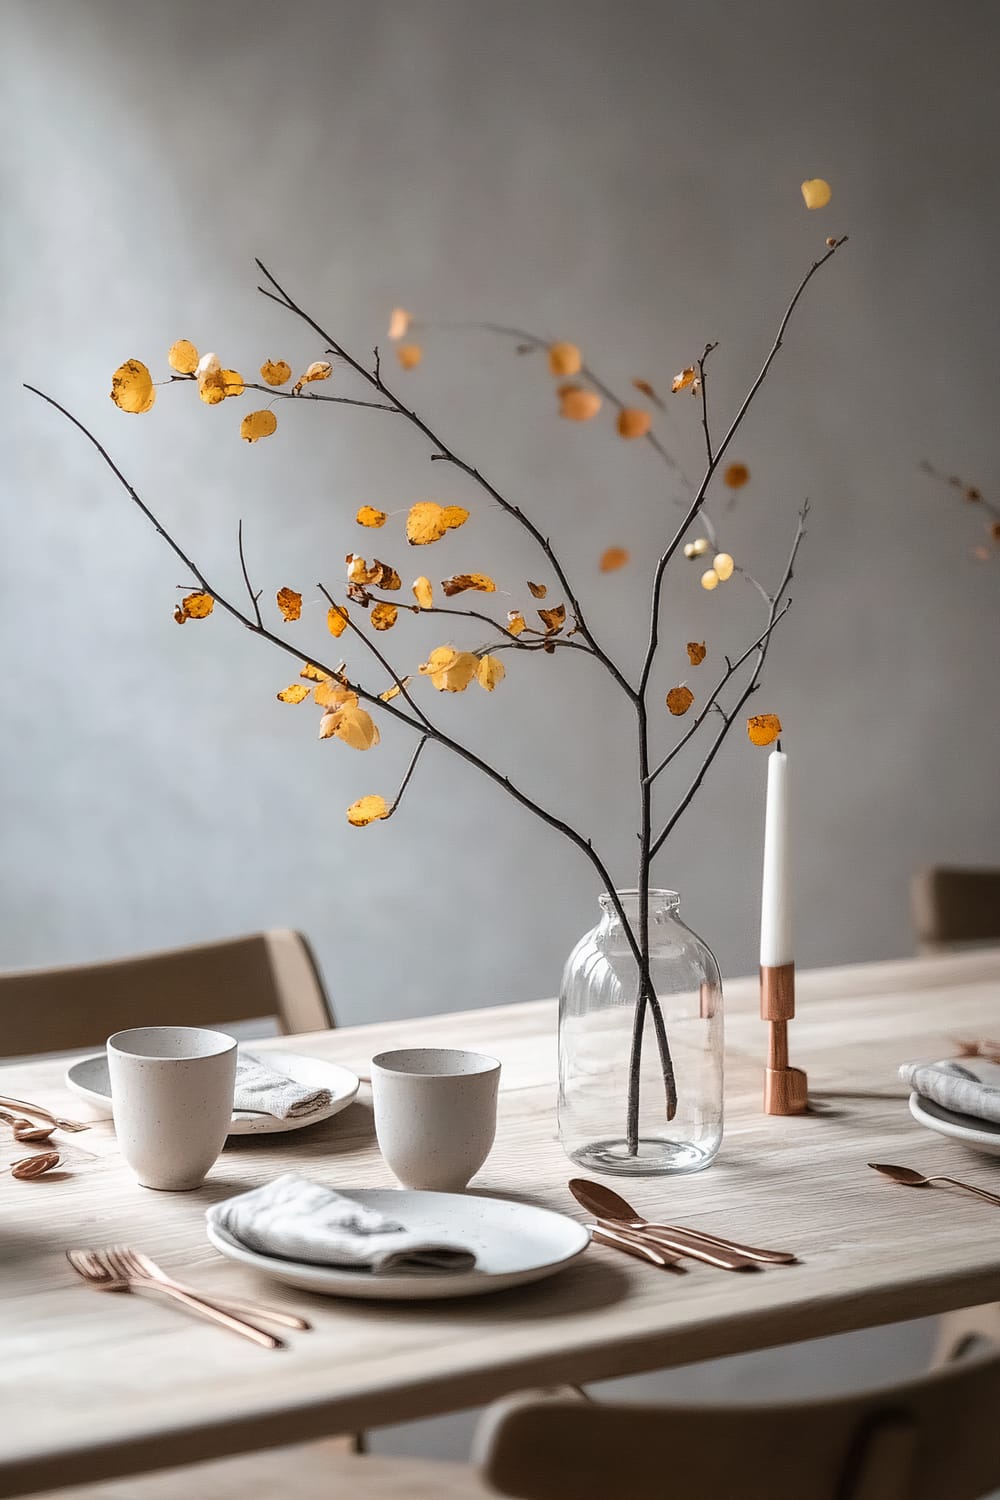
(94, 1386)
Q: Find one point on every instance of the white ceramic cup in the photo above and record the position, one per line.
(435, 1114)
(172, 1100)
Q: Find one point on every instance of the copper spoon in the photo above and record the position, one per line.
(909, 1178)
(26, 1130)
(605, 1203)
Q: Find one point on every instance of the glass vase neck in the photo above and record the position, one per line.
(658, 903)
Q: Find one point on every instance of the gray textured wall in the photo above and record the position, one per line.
(623, 174)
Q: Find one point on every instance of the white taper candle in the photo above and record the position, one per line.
(776, 896)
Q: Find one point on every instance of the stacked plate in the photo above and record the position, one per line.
(981, 1135)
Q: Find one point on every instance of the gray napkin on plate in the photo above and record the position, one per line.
(970, 1086)
(265, 1091)
(302, 1220)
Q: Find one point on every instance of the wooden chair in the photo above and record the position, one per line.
(955, 908)
(240, 979)
(931, 1439)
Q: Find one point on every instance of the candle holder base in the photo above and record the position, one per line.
(786, 1089)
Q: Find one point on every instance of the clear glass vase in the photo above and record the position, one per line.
(597, 1018)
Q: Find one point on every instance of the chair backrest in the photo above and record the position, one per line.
(931, 1438)
(953, 907)
(239, 979)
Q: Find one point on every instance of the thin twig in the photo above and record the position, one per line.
(279, 395)
(254, 598)
(409, 772)
(383, 661)
(703, 391)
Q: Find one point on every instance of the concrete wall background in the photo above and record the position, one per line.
(623, 175)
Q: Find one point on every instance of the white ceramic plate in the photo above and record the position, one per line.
(981, 1135)
(514, 1243)
(88, 1077)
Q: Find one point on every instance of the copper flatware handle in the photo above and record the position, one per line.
(46, 1114)
(250, 1309)
(979, 1192)
(631, 1245)
(712, 1255)
(207, 1310)
(768, 1257)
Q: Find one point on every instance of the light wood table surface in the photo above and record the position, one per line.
(93, 1386)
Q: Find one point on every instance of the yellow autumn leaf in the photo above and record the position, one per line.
(182, 356)
(710, 579)
(423, 592)
(409, 355)
(354, 725)
(459, 582)
(195, 606)
(428, 521)
(257, 425)
(553, 619)
(211, 382)
(399, 323)
(686, 378)
(633, 422)
(450, 671)
(320, 369)
(516, 622)
(395, 690)
(314, 674)
(233, 382)
(290, 604)
(538, 590)
(367, 810)
(763, 729)
(736, 476)
(578, 404)
(296, 692)
(275, 371)
(369, 516)
(696, 652)
(333, 694)
(383, 616)
(489, 672)
(723, 566)
(613, 559)
(679, 700)
(816, 194)
(564, 359)
(336, 619)
(132, 387)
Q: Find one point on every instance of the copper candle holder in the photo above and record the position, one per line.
(786, 1090)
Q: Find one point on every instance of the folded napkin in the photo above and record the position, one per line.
(302, 1220)
(264, 1091)
(969, 1087)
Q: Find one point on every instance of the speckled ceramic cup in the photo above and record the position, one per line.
(172, 1099)
(435, 1114)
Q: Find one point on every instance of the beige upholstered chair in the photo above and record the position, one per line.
(268, 974)
(931, 1439)
(955, 908)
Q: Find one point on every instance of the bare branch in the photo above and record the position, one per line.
(254, 598)
(703, 391)
(277, 395)
(409, 772)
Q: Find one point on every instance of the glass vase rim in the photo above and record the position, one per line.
(656, 895)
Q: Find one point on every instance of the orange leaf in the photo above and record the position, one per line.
(336, 619)
(427, 521)
(578, 404)
(710, 579)
(275, 372)
(423, 593)
(355, 726)
(763, 729)
(647, 390)
(564, 359)
(409, 355)
(450, 671)
(257, 425)
(454, 515)
(679, 700)
(195, 607)
(369, 516)
(459, 582)
(489, 672)
(211, 381)
(314, 674)
(367, 810)
(696, 652)
(333, 694)
(233, 382)
(816, 193)
(516, 622)
(686, 378)
(183, 357)
(399, 323)
(320, 369)
(132, 387)
(633, 422)
(383, 616)
(553, 619)
(297, 692)
(395, 690)
(538, 590)
(290, 604)
(736, 476)
(613, 559)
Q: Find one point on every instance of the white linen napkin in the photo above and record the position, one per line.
(302, 1220)
(968, 1085)
(265, 1091)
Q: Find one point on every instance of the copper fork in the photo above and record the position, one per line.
(138, 1263)
(46, 1114)
(100, 1269)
